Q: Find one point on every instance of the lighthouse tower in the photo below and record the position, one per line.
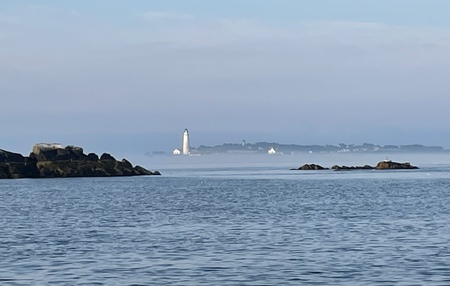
(185, 145)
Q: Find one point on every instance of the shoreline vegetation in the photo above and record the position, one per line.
(55, 161)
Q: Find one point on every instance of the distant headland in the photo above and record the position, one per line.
(54, 160)
(273, 148)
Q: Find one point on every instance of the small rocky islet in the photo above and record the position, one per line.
(55, 161)
(383, 165)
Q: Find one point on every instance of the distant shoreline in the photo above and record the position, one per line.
(273, 148)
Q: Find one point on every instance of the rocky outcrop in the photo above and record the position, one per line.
(107, 157)
(55, 152)
(310, 167)
(53, 160)
(384, 165)
(349, 168)
(14, 165)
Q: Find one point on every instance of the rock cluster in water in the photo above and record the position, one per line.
(348, 168)
(394, 165)
(311, 167)
(383, 165)
(54, 160)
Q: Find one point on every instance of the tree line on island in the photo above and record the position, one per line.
(262, 147)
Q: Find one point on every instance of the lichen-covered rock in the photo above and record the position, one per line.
(55, 152)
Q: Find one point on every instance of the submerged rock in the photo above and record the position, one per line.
(53, 160)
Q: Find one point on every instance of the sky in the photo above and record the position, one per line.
(129, 76)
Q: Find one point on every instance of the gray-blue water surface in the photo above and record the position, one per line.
(229, 226)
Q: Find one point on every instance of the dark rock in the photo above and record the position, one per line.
(126, 164)
(125, 167)
(142, 171)
(4, 171)
(52, 161)
(15, 170)
(9, 157)
(23, 170)
(311, 167)
(383, 165)
(75, 150)
(106, 156)
(349, 168)
(91, 157)
(14, 165)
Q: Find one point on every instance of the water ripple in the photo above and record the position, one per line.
(221, 231)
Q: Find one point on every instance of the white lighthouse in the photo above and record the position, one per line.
(185, 144)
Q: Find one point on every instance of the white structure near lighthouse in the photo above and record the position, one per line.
(185, 144)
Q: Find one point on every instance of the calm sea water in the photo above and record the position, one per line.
(216, 224)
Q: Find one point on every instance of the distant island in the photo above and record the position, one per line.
(383, 165)
(53, 161)
(277, 148)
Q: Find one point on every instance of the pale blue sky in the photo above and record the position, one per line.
(302, 72)
(396, 12)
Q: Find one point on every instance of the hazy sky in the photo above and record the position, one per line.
(131, 75)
